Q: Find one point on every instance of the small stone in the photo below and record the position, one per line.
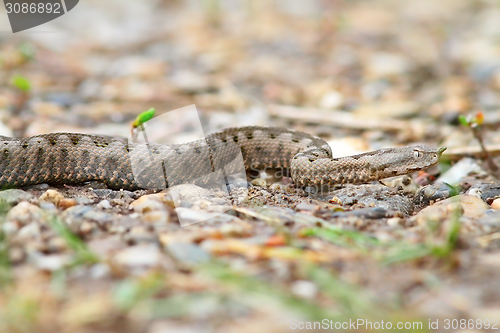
(259, 182)
(66, 203)
(100, 217)
(189, 216)
(139, 234)
(470, 206)
(189, 193)
(305, 289)
(307, 206)
(395, 221)
(24, 213)
(31, 230)
(52, 196)
(104, 204)
(99, 271)
(156, 217)
(14, 196)
(461, 169)
(487, 192)
(9, 227)
(430, 194)
(187, 253)
(277, 186)
(331, 100)
(144, 255)
(495, 204)
(82, 200)
(16, 255)
(57, 244)
(149, 203)
(51, 262)
(86, 227)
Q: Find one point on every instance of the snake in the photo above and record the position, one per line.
(74, 158)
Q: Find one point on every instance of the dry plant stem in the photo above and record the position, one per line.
(487, 156)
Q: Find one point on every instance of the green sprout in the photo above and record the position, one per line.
(22, 83)
(139, 123)
(475, 124)
(143, 117)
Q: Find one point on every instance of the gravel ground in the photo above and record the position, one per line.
(418, 253)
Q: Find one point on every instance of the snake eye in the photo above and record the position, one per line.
(417, 153)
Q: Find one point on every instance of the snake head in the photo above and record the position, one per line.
(424, 157)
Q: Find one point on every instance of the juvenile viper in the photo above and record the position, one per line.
(69, 158)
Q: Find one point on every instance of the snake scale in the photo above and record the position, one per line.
(70, 158)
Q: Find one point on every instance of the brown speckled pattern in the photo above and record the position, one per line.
(69, 158)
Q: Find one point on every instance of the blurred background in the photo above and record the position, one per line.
(107, 61)
(380, 72)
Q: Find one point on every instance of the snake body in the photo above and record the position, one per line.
(71, 158)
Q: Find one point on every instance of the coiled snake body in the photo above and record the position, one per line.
(70, 158)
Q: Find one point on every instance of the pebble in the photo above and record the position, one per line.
(16, 255)
(56, 244)
(487, 192)
(52, 196)
(189, 216)
(104, 204)
(395, 221)
(31, 230)
(99, 271)
(433, 193)
(82, 200)
(259, 182)
(111, 194)
(10, 228)
(24, 213)
(142, 255)
(459, 170)
(470, 206)
(190, 193)
(304, 205)
(14, 196)
(405, 183)
(305, 289)
(74, 216)
(99, 216)
(86, 227)
(139, 234)
(67, 202)
(373, 196)
(157, 218)
(106, 246)
(151, 202)
(495, 204)
(187, 253)
(52, 262)
(331, 100)
(490, 222)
